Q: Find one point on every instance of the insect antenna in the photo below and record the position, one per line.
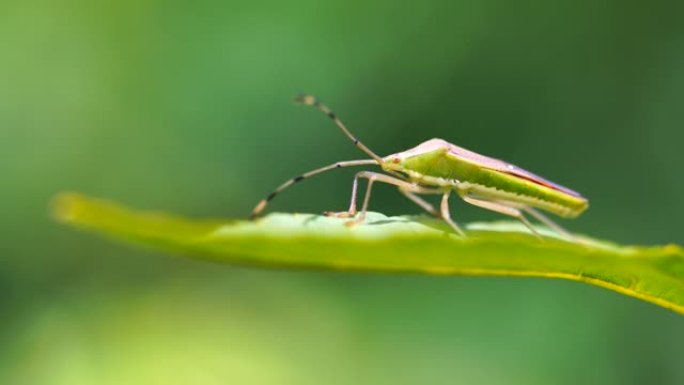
(350, 163)
(311, 100)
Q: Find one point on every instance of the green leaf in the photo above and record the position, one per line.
(391, 244)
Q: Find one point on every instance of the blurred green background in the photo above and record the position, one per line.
(186, 107)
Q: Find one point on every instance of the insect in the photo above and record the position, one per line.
(439, 167)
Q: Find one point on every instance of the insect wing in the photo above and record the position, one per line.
(501, 166)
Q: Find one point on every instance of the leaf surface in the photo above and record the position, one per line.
(390, 245)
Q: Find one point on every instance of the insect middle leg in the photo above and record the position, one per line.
(446, 214)
(504, 209)
(420, 202)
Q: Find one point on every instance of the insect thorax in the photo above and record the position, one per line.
(433, 168)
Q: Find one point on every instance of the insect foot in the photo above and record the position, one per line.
(339, 214)
(351, 224)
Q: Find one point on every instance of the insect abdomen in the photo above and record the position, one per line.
(510, 188)
(563, 206)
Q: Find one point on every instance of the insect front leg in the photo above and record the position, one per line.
(378, 177)
(352, 205)
(372, 177)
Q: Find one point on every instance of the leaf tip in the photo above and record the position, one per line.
(65, 207)
(672, 248)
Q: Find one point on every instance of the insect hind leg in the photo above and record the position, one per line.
(504, 209)
(547, 221)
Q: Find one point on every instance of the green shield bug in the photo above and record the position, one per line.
(439, 167)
